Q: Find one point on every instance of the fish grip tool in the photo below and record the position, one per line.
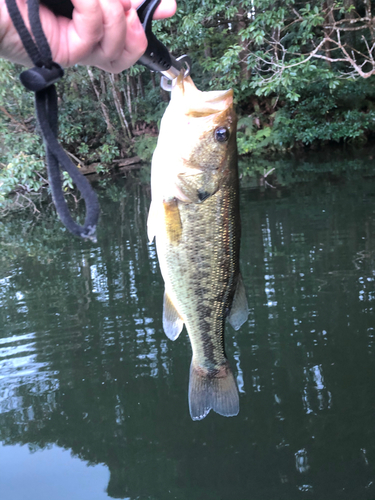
(156, 57)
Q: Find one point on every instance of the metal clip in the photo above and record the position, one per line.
(168, 79)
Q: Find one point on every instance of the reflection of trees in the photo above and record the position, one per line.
(323, 165)
(311, 322)
(100, 378)
(97, 349)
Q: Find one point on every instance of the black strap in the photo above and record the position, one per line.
(40, 80)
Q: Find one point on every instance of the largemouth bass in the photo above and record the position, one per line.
(194, 216)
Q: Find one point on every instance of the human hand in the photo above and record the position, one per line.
(102, 33)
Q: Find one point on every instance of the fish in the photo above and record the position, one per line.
(194, 217)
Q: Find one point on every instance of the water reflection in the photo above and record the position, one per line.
(84, 363)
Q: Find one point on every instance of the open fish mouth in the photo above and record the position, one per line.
(200, 104)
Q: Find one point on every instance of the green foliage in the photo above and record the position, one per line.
(250, 139)
(21, 175)
(144, 146)
(108, 151)
(345, 113)
(273, 54)
(21, 170)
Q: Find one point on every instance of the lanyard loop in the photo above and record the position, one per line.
(41, 80)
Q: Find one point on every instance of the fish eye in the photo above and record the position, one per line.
(222, 134)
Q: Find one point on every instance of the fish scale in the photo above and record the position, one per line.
(210, 282)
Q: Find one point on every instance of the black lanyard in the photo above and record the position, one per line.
(46, 73)
(40, 80)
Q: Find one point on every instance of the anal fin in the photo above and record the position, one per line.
(172, 323)
(217, 391)
(240, 309)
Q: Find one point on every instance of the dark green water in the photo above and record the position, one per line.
(93, 396)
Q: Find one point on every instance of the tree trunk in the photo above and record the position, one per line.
(349, 15)
(141, 86)
(128, 97)
(370, 23)
(328, 20)
(103, 107)
(207, 49)
(244, 54)
(120, 111)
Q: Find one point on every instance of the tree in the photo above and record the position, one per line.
(339, 33)
(302, 74)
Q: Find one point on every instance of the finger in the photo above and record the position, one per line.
(166, 8)
(134, 43)
(127, 4)
(75, 38)
(114, 29)
(88, 19)
(10, 42)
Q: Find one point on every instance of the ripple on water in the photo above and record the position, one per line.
(21, 372)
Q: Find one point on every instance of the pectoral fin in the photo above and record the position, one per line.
(151, 222)
(239, 310)
(172, 221)
(172, 323)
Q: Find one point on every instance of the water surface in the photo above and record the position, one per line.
(93, 396)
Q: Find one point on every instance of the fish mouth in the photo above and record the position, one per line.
(198, 104)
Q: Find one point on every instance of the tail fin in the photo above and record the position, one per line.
(212, 391)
